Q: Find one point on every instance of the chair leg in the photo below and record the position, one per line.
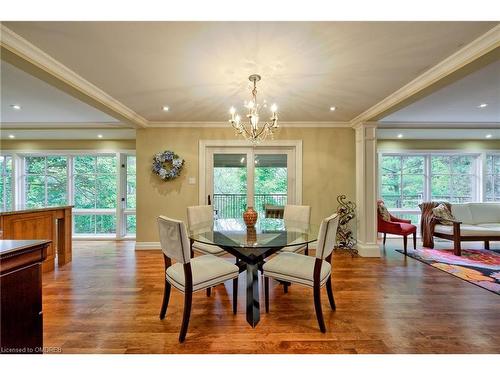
(306, 251)
(266, 293)
(487, 245)
(188, 297)
(385, 237)
(166, 298)
(317, 307)
(330, 293)
(285, 287)
(209, 292)
(405, 243)
(235, 295)
(415, 240)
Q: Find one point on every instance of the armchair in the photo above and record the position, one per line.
(397, 226)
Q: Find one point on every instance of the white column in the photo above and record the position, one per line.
(366, 189)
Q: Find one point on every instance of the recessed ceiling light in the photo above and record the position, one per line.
(17, 107)
(482, 105)
(400, 135)
(165, 108)
(333, 108)
(489, 135)
(12, 136)
(99, 135)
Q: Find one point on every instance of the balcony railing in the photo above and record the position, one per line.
(233, 205)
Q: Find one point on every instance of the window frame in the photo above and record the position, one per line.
(19, 186)
(486, 175)
(479, 173)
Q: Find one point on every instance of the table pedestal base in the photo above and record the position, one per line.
(253, 308)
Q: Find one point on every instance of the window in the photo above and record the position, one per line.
(492, 183)
(407, 179)
(130, 191)
(46, 181)
(95, 194)
(402, 180)
(453, 178)
(5, 182)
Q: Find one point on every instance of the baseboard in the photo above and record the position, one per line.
(147, 246)
(368, 250)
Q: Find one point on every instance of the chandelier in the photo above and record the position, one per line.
(253, 131)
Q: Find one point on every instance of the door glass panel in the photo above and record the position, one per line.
(270, 181)
(230, 185)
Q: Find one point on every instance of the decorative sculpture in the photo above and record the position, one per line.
(345, 235)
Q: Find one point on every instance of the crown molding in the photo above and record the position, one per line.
(34, 55)
(225, 124)
(472, 51)
(438, 125)
(63, 125)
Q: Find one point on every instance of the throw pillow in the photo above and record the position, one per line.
(384, 213)
(443, 214)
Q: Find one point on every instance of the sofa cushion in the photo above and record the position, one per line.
(384, 212)
(485, 212)
(462, 213)
(443, 214)
(469, 230)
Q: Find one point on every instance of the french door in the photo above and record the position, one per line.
(238, 177)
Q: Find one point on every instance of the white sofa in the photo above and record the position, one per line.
(475, 222)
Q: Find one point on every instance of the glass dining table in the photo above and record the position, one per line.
(251, 246)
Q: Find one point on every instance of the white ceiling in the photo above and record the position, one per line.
(200, 69)
(459, 101)
(61, 134)
(41, 102)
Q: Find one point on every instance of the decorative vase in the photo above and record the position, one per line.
(250, 217)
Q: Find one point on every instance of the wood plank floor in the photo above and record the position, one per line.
(108, 299)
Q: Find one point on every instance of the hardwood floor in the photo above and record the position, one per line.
(107, 300)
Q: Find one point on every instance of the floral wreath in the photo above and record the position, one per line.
(167, 165)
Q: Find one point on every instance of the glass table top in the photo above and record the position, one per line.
(267, 233)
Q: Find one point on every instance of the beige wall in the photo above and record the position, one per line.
(328, 170)
(423, 144)
(126, 144)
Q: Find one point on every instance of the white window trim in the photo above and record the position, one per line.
(480, 175)
(18, 188)
(203, 145)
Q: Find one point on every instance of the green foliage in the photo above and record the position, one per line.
(230, 189)
(403, 179)
(5, 182)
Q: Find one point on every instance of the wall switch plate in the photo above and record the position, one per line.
(192, 180)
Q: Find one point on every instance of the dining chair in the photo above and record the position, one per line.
(188, 274)
(313, 272)
(300, 215)
(199, 215)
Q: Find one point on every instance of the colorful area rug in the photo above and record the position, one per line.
(480, 267)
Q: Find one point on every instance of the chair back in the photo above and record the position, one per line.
(273, 212)
(174, 239)
(200, 214)
(327, 236)
(297, 213)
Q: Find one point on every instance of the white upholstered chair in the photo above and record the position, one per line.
(297, 214)
(313, 272)
(199, 215)
(188, 274)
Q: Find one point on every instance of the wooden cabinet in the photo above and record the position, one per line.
(49, 223)
(21, 314)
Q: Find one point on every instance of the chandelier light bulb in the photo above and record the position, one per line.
(232, 110)
(237, 119)
(274, 108)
